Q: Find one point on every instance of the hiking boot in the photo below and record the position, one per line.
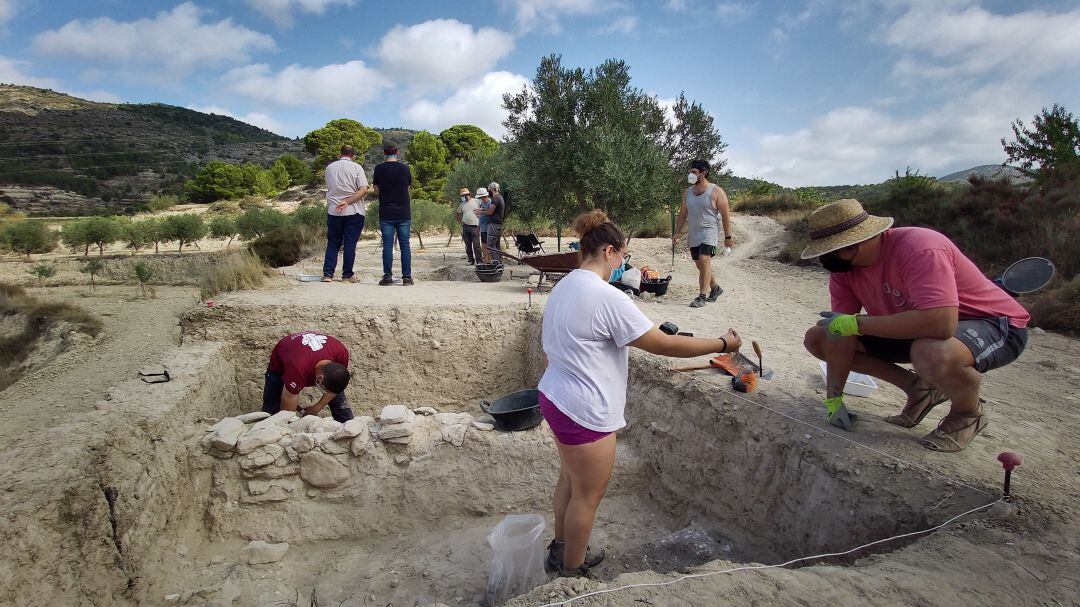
(386, 280)
(407, 282)
(714, 293)
(582, 571)
(556, 549)
(699, 302)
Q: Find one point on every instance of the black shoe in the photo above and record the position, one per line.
(714, 293)
(386, 281)
(406, 282)
(556, 549)
(699, 302)
(582, 571)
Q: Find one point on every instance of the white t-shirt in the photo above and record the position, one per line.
(343, 179)
(467, 216)
(587, 326)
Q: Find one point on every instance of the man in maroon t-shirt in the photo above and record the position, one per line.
(925, 303)
(303, 360)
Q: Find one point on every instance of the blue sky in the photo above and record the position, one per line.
(807, 92)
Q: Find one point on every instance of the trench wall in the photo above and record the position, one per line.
(64, 543)
(412, 355)
(758, 478)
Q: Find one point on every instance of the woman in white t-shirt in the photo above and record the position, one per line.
(588, 326)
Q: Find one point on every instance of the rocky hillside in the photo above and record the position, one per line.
(988, 171)
(64, 155)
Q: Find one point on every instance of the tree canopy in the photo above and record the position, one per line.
(1052, 142)
(462, 140)
(585, 139)
(325, 143)
(430, 164)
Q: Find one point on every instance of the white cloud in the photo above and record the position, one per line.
(440, 53)
(281, 11)
(865, 145)
(676, 6)
(732, 12)
(97, 95)
(622, 25)
(178, 40)
(336, 86)
(13, 71)
(7, 11)
(259, 119)
(478, 104)
(974, 42)
(530, 14)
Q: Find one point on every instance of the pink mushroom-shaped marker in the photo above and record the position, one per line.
(529, 291)
(1009, 460)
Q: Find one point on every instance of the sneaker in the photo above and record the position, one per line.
(556, 549)
(327, 279)
(386, 281)
(353, 279)
(699, 302)
(406, 282)
(714, 293)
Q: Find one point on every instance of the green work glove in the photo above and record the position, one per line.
(839, 325)
(837, 413)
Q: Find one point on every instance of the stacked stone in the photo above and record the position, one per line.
(395, 424)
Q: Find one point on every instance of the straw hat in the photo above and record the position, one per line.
(463, 191)
(841, 224)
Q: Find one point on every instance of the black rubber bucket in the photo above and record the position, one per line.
(516, 411)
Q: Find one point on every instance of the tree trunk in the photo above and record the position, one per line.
(100, 249)
(156, 243)
(180, 250)
(230, 242)
(86, 251)
(421, 239)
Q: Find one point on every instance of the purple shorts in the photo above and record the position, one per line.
(566, 430)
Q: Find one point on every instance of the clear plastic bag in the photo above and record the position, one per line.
(517, 562)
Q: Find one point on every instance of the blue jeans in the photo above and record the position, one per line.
(274, 384)
(341, 230)
(400, 228)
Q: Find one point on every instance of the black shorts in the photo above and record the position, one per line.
(702, 249)
(993, 342)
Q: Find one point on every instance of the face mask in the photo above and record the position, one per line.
(691, 178)
(835, 265)
(464, 199)
(617, 271)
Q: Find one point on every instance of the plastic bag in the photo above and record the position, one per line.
(517, 562)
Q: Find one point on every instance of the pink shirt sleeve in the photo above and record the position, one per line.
(930, 277)
(843, 298)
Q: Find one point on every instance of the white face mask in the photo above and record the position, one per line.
(691, 178)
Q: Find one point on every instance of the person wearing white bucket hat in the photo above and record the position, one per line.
(925, 304)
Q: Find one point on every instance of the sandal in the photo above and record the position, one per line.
(912, 416)
(950, 441)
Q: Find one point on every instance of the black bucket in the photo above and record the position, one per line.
(516, 411)
(656, 287)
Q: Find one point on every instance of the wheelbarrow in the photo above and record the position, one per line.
(551, 265)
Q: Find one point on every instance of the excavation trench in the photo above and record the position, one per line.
(700, 476)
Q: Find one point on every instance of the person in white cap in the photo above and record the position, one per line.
(470, 226)
(493, 210)
(925, 303)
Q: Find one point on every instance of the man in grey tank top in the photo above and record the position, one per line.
(705, 207)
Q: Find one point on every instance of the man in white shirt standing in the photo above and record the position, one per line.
(470, 226)
(346, 186)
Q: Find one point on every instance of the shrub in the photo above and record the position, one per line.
(42, 271)
(230, 272)
(162, 202)
(28, 236)
(1057, 309)
(138, 234)
(224, 207)
(311, 216)
(40, 318)
(252, 202)
(143, 273)
(280, 247)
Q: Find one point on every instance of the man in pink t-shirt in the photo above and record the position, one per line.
(924, 303)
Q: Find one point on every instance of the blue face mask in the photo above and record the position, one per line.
(616, 274)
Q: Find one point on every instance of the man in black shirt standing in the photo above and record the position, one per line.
(496, 212)
(392, 179)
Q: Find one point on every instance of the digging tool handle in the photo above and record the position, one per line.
(695, 368)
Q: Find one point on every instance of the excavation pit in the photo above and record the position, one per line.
(700, 475)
